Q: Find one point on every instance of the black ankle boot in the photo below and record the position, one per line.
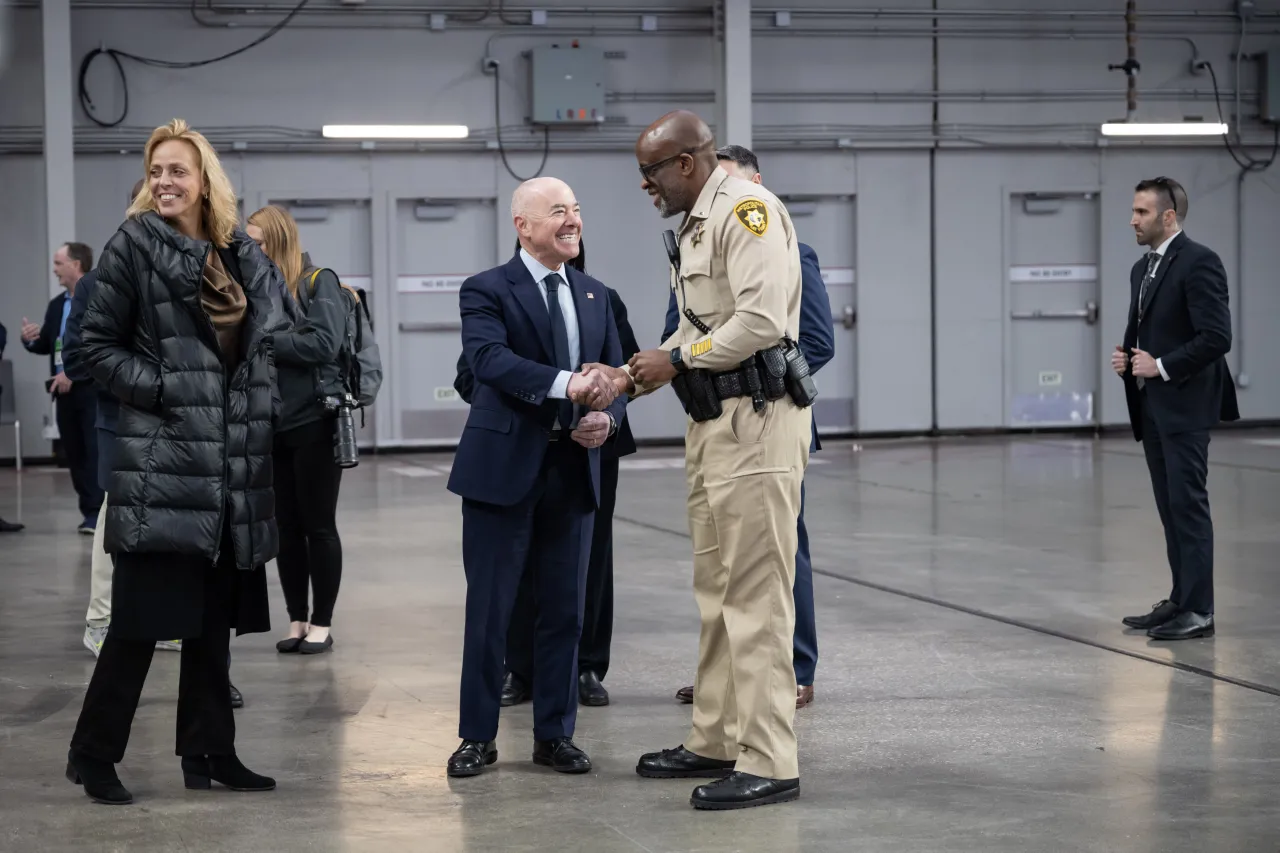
(200, 771)
(99, 779)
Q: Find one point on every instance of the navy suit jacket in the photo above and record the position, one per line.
(817, 329)
(506, 338)
(73, 364)
(49, 329)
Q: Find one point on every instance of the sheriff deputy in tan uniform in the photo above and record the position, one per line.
(739, 278)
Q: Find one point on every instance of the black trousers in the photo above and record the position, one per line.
(77, 413)
(1179, 466)
(306, 482)
(597, 614)
(205, 722)
(547, 538)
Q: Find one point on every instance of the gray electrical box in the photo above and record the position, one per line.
(1269, 86)
(567, 85)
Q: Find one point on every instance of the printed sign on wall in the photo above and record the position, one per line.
(439, 283)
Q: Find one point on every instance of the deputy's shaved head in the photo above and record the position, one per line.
(677, 156)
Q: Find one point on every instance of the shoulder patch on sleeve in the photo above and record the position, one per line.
(753, 215)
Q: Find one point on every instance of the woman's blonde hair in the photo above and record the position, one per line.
(218, 206)
(281, 242)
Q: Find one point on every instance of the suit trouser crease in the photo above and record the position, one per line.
(548, 536)
(76, 413)
(597, 611)
(744, 536)
(1179, 468)
(205, 725)
(805, 654)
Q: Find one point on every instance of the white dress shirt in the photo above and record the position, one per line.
(1160, 250)
(560, 387)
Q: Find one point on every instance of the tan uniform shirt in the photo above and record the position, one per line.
(739, 273)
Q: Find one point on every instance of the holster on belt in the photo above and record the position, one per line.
(697, 393)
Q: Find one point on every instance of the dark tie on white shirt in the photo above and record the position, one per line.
(1153, 258)
(559, 339)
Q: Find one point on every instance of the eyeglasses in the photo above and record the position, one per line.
(651, 169)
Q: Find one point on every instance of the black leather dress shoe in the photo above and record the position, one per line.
(742, 791)
(680, 763)
(1184, 626)
(514, 690)
(1161, 612)
(472, 758)
(237, 698)
(101, 784)
(10, 526)
(591, 691)
(561, 755)
(685, 695)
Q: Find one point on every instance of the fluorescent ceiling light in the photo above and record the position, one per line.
(395, 131)
(1181, 128)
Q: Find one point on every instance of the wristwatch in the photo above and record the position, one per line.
(677, 361)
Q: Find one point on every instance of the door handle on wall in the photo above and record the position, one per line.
(848, 316)
(431, 327)
(1089, 313)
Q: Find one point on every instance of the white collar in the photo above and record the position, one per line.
(537, 269)
(1164, 247)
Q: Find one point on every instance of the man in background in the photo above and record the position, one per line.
(1176, 382)
(76, 402)
(817, 342)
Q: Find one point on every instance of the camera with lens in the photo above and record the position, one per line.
(345, 452)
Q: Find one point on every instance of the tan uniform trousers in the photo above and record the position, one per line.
(744, 471)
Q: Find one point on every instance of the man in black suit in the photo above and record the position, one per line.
(1177, 386)
(528, 469)
(77, 402)
(597, 613)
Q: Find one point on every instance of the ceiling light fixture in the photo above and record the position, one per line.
(395, 131)
(1179, 128)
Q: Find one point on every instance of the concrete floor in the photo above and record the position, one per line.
(975, 689)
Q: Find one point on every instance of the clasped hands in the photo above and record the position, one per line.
(602, 384)
(1144, 364)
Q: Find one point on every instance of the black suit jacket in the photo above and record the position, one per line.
(49, 330)
(1186, 323)
(623, 442)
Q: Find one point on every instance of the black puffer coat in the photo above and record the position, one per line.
(193, 442)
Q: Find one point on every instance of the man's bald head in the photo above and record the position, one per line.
(548, 220)
(676, 155)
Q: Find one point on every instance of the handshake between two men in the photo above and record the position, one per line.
(597, 385)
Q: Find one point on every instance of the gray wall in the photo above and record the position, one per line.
(836, 112)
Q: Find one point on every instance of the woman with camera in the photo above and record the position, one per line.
(306, 475)
(178, 330)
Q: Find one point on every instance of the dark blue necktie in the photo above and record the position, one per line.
(560, 340)
(1153, 258)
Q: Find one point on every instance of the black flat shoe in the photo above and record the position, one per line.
(1184, 626)
(514, 690)
(680, 763)
(685, 695)
(743, 791)
(591, 691)
(200, 772)
(101, 784)
(561, 755)
(472, 758)
(10, 526)
(1161, 612)
(306, 648)
(237, 699)
(289, 645)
